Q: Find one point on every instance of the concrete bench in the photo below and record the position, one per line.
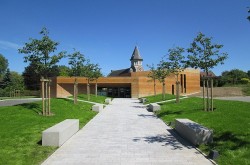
(60, 133)
(143, 100)
(194, 132)
(108, 101)
(154, 107)
(97, 107)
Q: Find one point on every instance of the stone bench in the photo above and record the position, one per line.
(60, 133)
(154, 107)
(194, 132)
(108, 101)
(142, 100)
(97, 107)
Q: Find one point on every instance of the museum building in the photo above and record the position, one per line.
(126, 83)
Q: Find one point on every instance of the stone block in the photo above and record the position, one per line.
(60, 133)
(194, 132)
(108, 101)
(97, 107)
(154, 107)
(143, 100)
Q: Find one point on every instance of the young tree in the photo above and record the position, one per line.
(153, 75)
(76, 62)
(38, 52)
(96, 74)
(91, 72)
(176, 64)
(205, 55)
(162, 72)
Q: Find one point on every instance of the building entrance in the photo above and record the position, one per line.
(116, 92)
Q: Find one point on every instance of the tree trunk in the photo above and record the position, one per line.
(88, 91)
(46, 98)
(204, 100)
(208, 107)
(75, 91)
(212, 102)
(49, 97)
(154, 88)
(96, 88)
(163, 91)
(42, 84)
(177, 91)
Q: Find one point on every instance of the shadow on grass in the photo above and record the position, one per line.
(233, 141)
(32, 106)
(164, 113)
(173, 140)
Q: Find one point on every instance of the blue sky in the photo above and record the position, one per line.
(106, 31)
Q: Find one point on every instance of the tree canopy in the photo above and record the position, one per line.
(3, 65)
(204, 54)
(38, 52)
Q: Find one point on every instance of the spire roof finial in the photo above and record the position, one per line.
(136, 55)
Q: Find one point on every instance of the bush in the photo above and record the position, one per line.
(244, 81)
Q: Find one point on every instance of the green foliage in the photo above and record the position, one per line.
(204, 54)
(38, 53)
(6, 79)
(3, 65)
(244, 81)
(92, 71)
(175, 61)
(153, 75)
(11, 81)
(63, 70)
(21, 129)
(246, 89)
(230, 124)
(76, 61)
(233, 76)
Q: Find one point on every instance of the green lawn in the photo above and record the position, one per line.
(230, 123)
(158, 98)
(93, 98)
(21, 129)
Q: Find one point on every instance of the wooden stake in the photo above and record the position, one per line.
(49, 98)
(42, 83)
(204, 100)
(212, 102)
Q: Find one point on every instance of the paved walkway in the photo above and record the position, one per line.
(11, 102)
(235, 98)
(126, 133)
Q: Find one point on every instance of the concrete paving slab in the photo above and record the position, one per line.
(125, 133)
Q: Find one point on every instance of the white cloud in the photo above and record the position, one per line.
(9, 45)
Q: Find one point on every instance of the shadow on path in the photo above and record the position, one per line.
(173, 140)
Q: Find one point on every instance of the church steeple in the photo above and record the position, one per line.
(136, 61)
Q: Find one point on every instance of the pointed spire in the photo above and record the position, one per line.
(136, 55)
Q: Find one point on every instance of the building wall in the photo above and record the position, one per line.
(140, 84)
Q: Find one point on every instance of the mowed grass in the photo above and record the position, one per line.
(230, 122)
(158, 98)
(93, 98)
(21, 129)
